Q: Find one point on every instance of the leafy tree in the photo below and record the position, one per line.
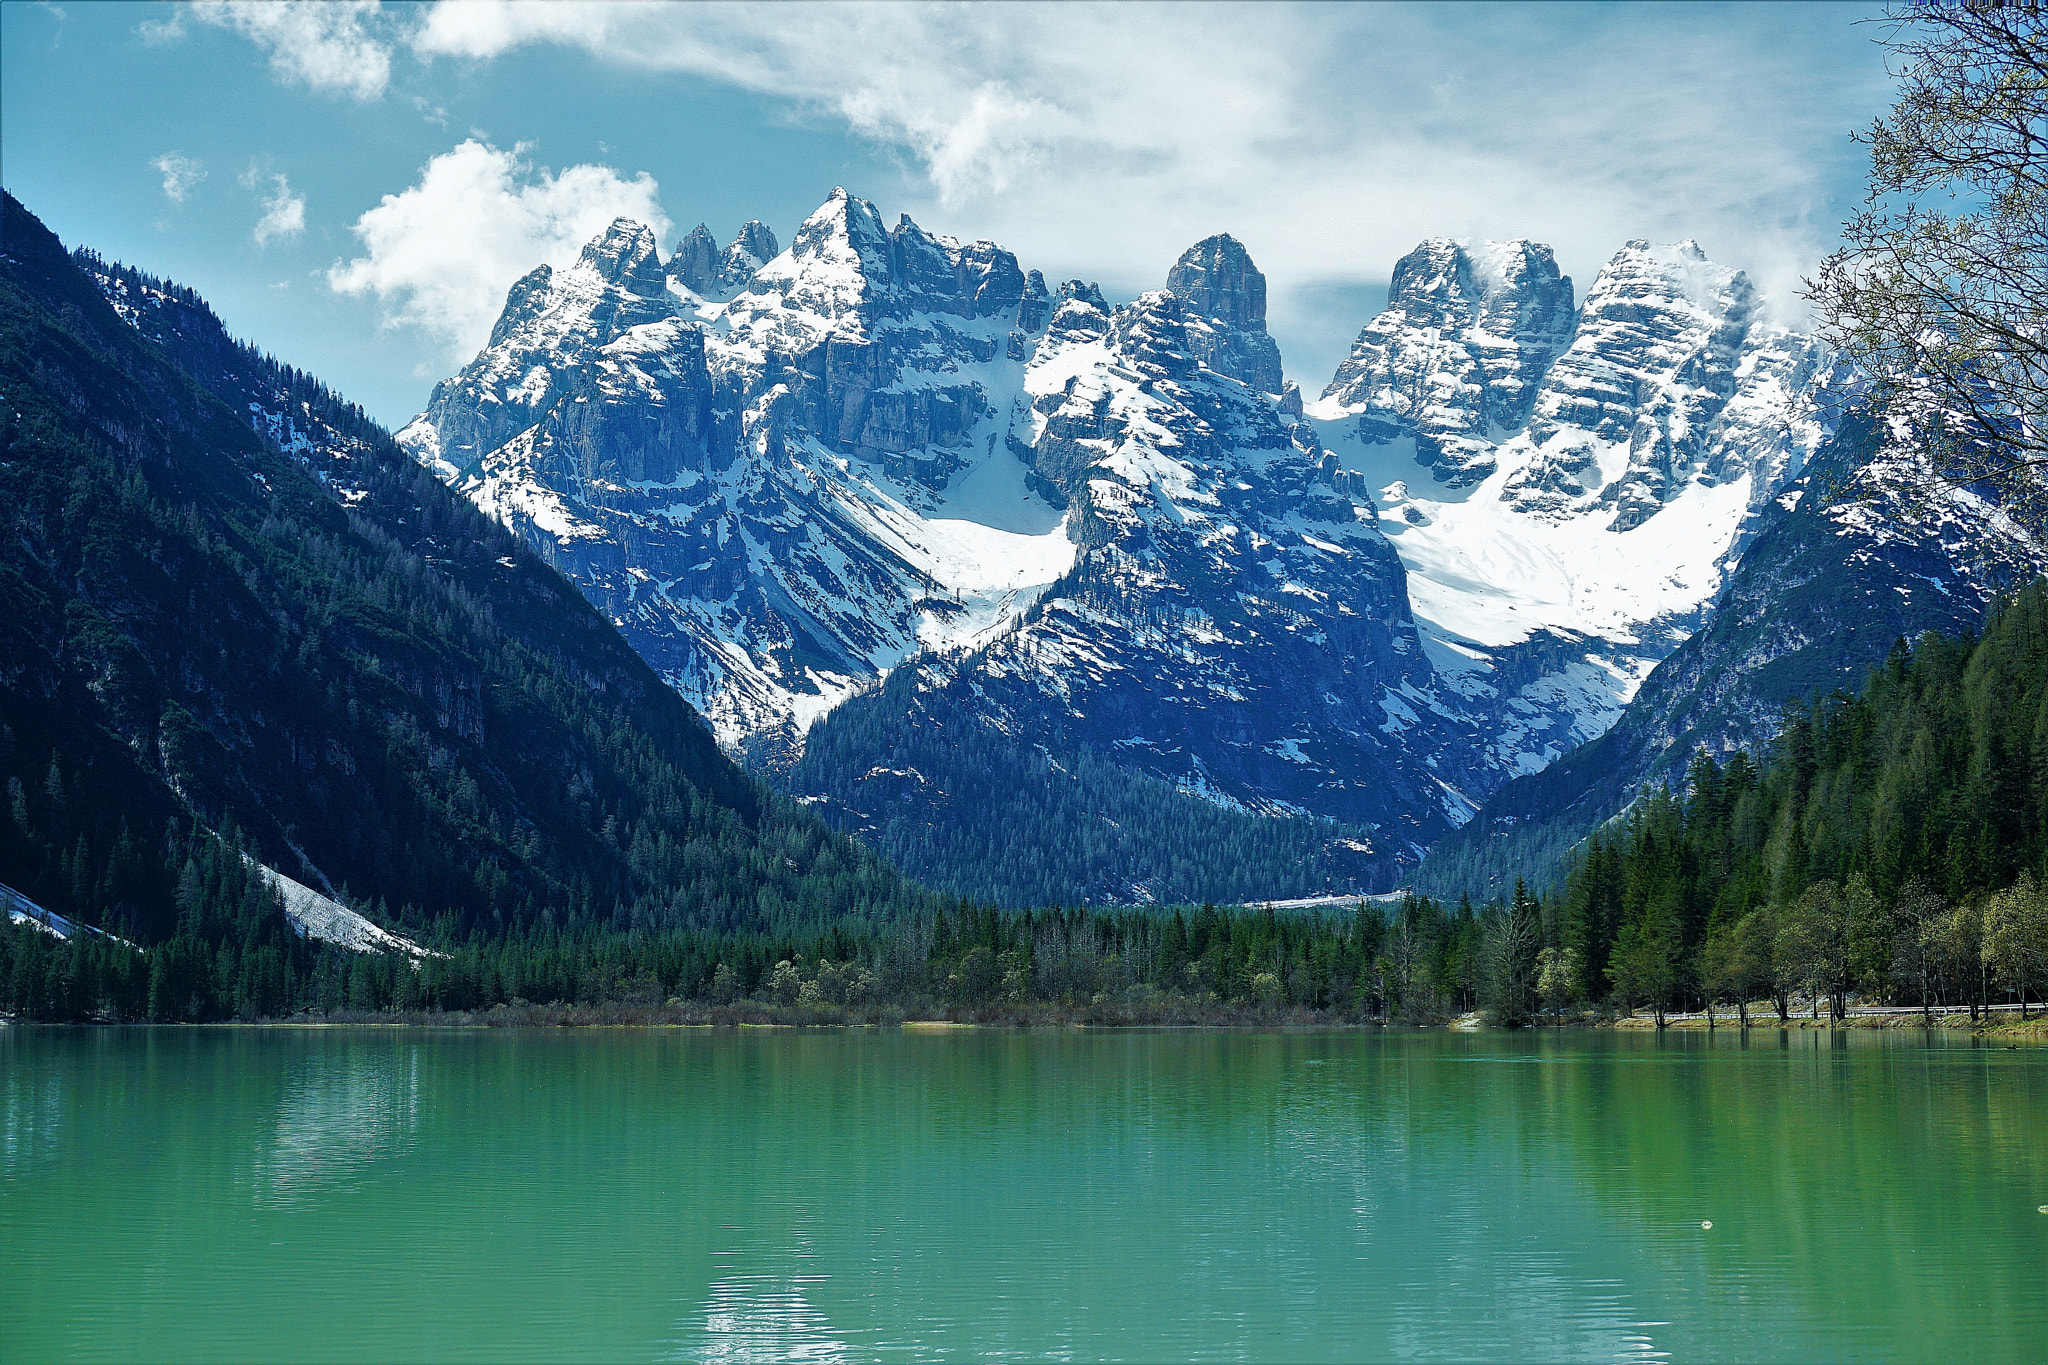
(1816, 940)
(1941, 292)
(1735, 963)
(2016, 937)
(1916, 957)
(1958, 939)
(1560, 976)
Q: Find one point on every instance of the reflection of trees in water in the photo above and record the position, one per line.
(1865, 1159)
(32, 1104)
(339, 1112)
(1546, 1186)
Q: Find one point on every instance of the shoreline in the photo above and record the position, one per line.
(1096, 1015)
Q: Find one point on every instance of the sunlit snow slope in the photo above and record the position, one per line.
(1567, 500)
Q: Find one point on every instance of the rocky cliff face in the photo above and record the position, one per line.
(1592, 476)
(1455, 361)
(702, 269)
(1234, 628)
(1674, 376)
(1114, 532)
(1223, 300)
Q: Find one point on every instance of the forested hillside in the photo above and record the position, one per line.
(964, 807)
(1893, 844)
(231, 608)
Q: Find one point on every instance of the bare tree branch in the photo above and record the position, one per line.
(1941, 292)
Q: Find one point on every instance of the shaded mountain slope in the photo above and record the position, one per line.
(227, 599)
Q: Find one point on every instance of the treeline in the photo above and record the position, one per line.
(1893, 845)
(235, 956)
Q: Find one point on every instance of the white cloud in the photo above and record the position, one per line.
(325, 44)
(284, 213)
(158, 31)
(440, 255)
(1330, 139)
(180, 173)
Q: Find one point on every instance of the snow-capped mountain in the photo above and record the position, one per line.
(778, 497)
(1568, 491)
(1454, 362)
(1234, 622)
(1116, 529)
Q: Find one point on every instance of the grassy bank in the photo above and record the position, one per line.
(1999, 1023)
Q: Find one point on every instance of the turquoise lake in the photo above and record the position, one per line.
(367, 1194)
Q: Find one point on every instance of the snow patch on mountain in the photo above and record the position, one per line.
(320, 917)
(1568, 492)
(780, 477)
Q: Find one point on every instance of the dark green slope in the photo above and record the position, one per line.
(922, 776)
(226, 599)
(1860, 561)
(1872, 813)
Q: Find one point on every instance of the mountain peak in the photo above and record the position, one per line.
(695, 262)
(1490, 318)
(845, 226)
(1217, 279)
(625, 254)
(701, 267)
(1225, 297)
(756, 239)
(1660, 391)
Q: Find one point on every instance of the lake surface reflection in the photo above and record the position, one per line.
(770, 1195)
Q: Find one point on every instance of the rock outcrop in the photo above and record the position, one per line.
(1224, 300)
(1455, 361)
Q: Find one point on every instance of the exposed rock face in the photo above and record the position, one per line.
(1225, 299)
(1595, 476)
(709, 273)
(1662, 383)
(746, 253)
(757, 490)
(695, 262)
(545, 344)
(1454, 362)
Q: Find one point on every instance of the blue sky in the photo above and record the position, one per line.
(353, 186)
